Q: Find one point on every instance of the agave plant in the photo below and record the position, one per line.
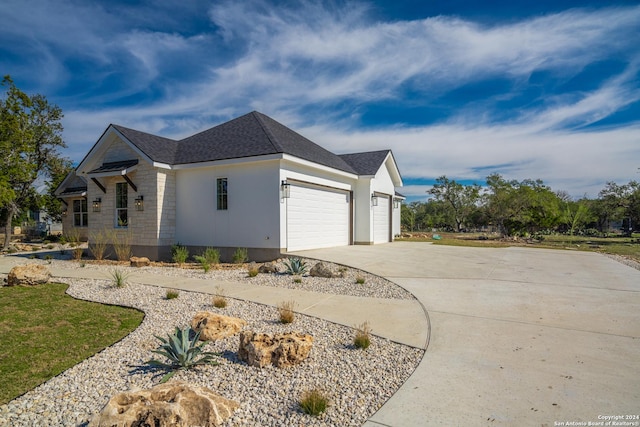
(295, 266)
(183, 351)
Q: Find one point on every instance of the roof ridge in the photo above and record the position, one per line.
(270, 136)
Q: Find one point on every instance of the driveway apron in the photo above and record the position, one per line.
(519, 336)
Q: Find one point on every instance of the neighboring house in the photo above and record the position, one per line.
(250, 182)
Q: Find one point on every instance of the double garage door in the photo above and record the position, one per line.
(317, 217)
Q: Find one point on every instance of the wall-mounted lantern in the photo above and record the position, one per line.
(396, 203)
(285, 190)
(374, 200)
(139, 203)
(64, 212)
(97, 204)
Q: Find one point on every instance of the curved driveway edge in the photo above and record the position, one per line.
(519, 336)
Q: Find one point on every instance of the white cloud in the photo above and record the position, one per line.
(288, 60)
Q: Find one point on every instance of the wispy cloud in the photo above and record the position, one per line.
(318, 67)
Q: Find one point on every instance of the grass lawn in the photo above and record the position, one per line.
(44, 332)
(626, 246)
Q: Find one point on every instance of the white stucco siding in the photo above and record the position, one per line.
(251, 219)
(396, 219)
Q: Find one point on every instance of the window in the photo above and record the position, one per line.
(80, 215)
(222, 194)
(122, 219)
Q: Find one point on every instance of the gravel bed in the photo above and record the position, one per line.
(373, 286)
(357, 382)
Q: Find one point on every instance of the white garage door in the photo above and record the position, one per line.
(381, 220)
(317, 218)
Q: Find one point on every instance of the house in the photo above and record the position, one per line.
(250, 182)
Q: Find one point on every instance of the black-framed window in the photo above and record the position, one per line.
(221, 194)
(122, 201)
(80, 213)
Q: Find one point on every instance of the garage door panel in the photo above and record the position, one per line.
(317, 218)
(381, 220)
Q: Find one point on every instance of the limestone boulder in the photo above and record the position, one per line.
(280, 350)
(172, 404)
(28, 275)
(268, 268)
(139, 261)
(214, 326)
(321, 270)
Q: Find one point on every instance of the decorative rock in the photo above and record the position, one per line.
(214, 326)
(278, 349)
(268, 268)
(139, 261)
(172, 404)
(28, 275)
(321, 270)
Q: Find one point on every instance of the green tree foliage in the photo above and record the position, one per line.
(30, 135)
(460, 200)
(522, 208)
(620, 203)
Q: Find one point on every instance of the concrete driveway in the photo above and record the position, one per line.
(526, 337)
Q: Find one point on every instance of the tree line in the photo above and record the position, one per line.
(30, 139)
(519, 208)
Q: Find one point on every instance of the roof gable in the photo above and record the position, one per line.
(367, 163)
(157, 148)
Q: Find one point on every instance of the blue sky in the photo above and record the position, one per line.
(543, 90)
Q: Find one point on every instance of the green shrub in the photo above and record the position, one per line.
(240, 256)
(362, 339)
(182, 351)
(209, 257)
(172, 294)
(287, 314)
(297, 280)
(179, 253)
(313, 402)
(119, 278)
(212, 255)
(295, 266)
(204, 263)
(360, 280)
(253, 271)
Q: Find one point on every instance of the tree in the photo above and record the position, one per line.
(621, 202)
(460, 199)
(59, 170)
(30, 135)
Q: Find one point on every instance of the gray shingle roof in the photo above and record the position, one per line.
(366, 163)
(253, 134)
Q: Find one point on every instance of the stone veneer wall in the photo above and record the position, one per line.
(149, 229)
(67, 220)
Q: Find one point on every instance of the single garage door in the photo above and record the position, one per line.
(317, 217)
(382, 220)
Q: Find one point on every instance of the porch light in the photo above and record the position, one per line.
(396, 203)
(285, 190)
(374, 200)
(97, 204)
(139, 203)
(64, 212)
